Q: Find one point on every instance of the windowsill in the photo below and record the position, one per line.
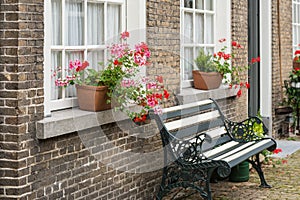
(189, 95)
(72, 120)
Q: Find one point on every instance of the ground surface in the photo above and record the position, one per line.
(284, 178)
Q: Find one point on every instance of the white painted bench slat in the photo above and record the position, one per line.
(247, 150)
(185, 106)
(180, 123)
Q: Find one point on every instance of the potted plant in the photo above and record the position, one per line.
(206, 77)
(90, 87)
(120, 80)
(292, 90)
(222, 63)
(124, 63)
(296, 59)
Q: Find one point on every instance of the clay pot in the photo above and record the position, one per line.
(296, 65)
(207, 80)
(92, 98)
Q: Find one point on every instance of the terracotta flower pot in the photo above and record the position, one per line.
(207, 80)
(92, 98)
(296, 64)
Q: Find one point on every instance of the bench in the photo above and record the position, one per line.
(198, 141)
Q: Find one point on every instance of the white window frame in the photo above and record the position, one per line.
(222, 29)
(51, 105)
(296, 26)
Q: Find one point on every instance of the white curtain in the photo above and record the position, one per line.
(199, 24)
(56, 61)
(209, 5)
(188, 63)
(188, 27)
(95, 25)
(199, 4)
(74, 23)
(56, 22)
(113, 22)
(94, 57)
(209, 28)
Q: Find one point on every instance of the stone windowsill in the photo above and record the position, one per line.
(189, 95)
(71, 120)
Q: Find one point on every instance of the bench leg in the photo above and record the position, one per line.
(208, 188)
(257, 166)
(167, 185)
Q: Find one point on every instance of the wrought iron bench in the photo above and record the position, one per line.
(198, 140)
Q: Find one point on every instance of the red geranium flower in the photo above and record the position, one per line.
(239, 93)
(278, 150)
(247, 85)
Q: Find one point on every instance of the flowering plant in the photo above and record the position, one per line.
(142, 91)
(224, 65)
(146, 93)
(297, 55)
(125, 88)
(295, 75)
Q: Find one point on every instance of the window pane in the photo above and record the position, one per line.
(56, 63)
(210, 51)
(209, 4)
(199, 4)
(209, 29)
(297, 35)
(95, 25)
(297, 14)
(74, 23)
(56, 22)
(113, 21)
(188, 27)
(188, 63)
(188, 3)
(294, 35)
(94, 57)
(72, 55)
(199, 28)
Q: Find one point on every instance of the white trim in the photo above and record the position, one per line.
(47, 59)
(266, 60)
(85, 48)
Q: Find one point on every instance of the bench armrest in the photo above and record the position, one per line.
(250, 129)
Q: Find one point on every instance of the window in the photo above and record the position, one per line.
(77, 29)
(296, 24)
(199, 31)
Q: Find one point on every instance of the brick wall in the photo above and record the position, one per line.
(239, 32)
(285, 32)
(64, 167)
(163, 37)
(21, 80)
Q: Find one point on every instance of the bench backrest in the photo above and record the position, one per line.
(194, 123)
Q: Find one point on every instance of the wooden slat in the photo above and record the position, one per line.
(234, 151)
(219, 149)
(191, 120)
(188, 111)
(185, 106)
(191, 131)
(247, 151)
